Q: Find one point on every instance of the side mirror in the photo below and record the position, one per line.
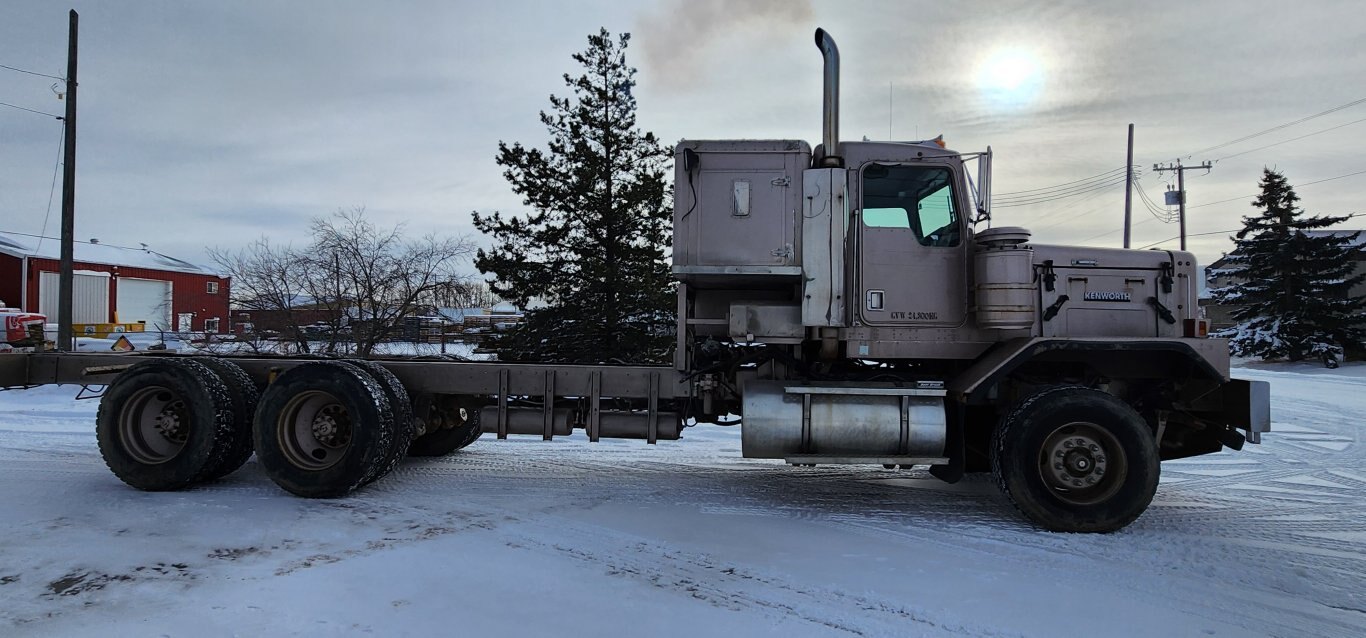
(984, 186)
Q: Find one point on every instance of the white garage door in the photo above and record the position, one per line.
(146, 300)
(89, 296)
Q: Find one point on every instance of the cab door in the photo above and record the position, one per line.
(912, 262)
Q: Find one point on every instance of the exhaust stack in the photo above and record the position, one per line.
(831, 111)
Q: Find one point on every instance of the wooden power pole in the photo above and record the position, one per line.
(1181, 189)
(65, 338)
(1129, 187)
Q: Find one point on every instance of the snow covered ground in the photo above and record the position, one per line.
(684, 539)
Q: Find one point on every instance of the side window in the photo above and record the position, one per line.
(886, 218)
(916, 197)
(937, 219)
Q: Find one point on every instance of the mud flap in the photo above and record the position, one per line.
(1247, 406)
(953, 448)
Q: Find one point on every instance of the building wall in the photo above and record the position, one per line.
(11, 277)
(189, 291)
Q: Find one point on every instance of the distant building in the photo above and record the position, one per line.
(1220, 315)
(113, 284)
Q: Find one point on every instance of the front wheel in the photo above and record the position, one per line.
(1074, 459)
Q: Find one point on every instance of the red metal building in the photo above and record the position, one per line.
(114, 284)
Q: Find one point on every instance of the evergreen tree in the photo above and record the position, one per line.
(593, 247)
(1291, 287)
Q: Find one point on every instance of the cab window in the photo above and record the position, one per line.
(916, 197)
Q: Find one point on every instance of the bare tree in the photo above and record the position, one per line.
(366, 280)
(270, 278)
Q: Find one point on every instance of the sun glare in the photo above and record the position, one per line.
(1011, 75)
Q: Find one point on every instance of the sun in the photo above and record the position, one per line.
(1011, 75)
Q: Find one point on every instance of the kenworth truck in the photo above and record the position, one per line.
(847, 304)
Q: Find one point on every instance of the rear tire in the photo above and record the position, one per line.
(402, 407)
(242, 390)
(322, 429)
(1073, 459)
(451, 425)
(163, 424)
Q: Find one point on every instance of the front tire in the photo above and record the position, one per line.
(1074, 459)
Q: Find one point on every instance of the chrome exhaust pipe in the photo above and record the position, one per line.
(831, 111)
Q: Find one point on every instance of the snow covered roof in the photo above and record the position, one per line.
(96, 253)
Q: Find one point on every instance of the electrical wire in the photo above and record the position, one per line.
(1219, 232)
(1079, 190)
(12, 68)
(1164, 215)
(1086, 179)
(13, 232)
(1077, 202)
(30, 110)
(1276, 128)
(1317, 181)
(61, 137)
(1259, 148)
(1061, 192)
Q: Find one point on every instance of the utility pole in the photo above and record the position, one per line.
(1129, 187)
(1181, 189)
(65, 340)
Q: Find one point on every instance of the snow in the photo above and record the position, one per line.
(96, 253)
(569, 538)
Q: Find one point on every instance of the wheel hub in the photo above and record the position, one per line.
(169, 424)
(328, 427)
(314, 430)
(1076, 462)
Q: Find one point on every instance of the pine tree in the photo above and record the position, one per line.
(593, 247)
(1291, 289)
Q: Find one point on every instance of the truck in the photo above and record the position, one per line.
(23, 330)
(844, 304)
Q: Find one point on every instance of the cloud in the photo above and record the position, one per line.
(679, 39)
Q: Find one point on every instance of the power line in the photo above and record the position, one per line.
(1276, 128)
(1317, 181)
(1259, 148)
(1220, 232)
(6, 66)
(1085, 179)
(1076, 203)
(142, 248)
(1074, 191)
(61, 137)
(1214, 232)
(58, 117)
(1159, 213)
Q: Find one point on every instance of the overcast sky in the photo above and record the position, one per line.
(214, 123)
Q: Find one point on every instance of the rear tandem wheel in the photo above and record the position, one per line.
(323, 429)
(165, 424)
